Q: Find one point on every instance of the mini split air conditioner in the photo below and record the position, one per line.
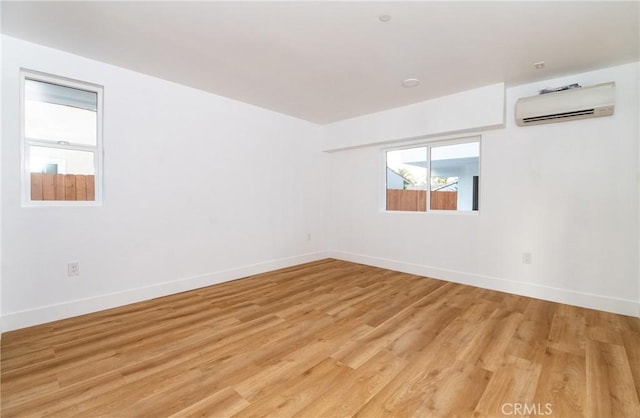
(578, 103)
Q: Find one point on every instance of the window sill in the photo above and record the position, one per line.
(435, 212)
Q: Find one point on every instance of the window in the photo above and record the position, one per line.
(441, 176)
(61, 141)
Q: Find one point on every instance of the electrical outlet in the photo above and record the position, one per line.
(73, 269)
(526, 258)
(308, 237)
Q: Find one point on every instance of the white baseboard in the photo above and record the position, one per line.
(553, 294)
(21, 319)
(44, 314)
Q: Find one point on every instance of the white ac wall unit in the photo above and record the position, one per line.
(578, 103)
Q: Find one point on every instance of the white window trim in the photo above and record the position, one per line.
(430, 144)
(25, 143)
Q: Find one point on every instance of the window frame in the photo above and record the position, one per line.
(26, 143)
(429, 145)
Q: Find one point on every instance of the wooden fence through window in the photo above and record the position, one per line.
(62, 187)
(416, 200)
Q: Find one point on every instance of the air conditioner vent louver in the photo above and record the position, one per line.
(587, 112)
(580, 103)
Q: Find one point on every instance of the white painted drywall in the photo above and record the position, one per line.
(167, 223)
(468, 110)
(567, 193)
(1, 221)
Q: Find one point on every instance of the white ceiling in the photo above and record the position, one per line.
(326, 61)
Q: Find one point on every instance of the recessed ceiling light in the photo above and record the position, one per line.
(384, 18)
(538, 65)
(410, 82)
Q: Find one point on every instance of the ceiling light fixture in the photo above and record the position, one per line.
(410, 82)
(384, 18)
(538, 65)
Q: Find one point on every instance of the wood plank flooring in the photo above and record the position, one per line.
(327, 339)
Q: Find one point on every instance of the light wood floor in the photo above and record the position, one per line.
(328, 339)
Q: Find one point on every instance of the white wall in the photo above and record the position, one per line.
(1, 219)
(467, 110)
(167, 224)
(567, 193)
